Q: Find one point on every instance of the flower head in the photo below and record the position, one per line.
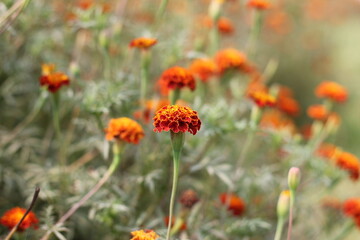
(318, 112)
(259, 4)
(234, 203)
(143, 43)
(351, 208)
(262, 99)
(328, 150)
(331, 90)
(176, 78)
(124, 129)
(144, 235)
(14, 215)
(177, 119)
(230, 59)
(53, 80)
(225, 26)
(350, 163)
(189, 198)
(203, 69)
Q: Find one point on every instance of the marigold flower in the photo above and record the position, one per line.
(288, 105)
(85, 4)
(151, 106)
(144, 235)
(176, 78)
(225, 26)
(318, 112)
(328, 150)
(203, 69)
(53, 80)
(350, 163)
(14, 215)
(124, 129)
(351, 207)
(259, 4)
(229, 59)
(143, 43)
(234, 203)
(331, 90)
(277, 120)
(177, 119)
(173, 220)
(262, 99)
(189, 198)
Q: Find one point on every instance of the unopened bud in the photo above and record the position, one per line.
(283, 204)
(215, 9)
(294, 178)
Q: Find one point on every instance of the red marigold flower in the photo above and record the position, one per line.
(331, 90)
(144, 235)
(259, 4)
(350, 163)
(176, 78)
(203, 68)
(143, 43)
(318, 112)
(225, 26)
(173, 220)
(262, 99)
(53, 80)
(234, 203)
(189, 198)
(124, 129)
(14, 215)
(177, 119)
(229, 59)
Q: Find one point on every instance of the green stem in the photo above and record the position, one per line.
(292, 202)
(144, 77)
(214, 39)
(55, 99)
(254, 33)
(99, 121)
(177, 142)
(279, 228)
(117, 149)
(174, 96)
(161, 9)
(344, 231)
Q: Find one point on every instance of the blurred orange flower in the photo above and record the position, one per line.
(234, 203)
(279, 21)
(230, 59)
(14, 215)
(259, 4)
(144, 235)
(166, 221)
(328, 150)
(177, 119)
(189, 198)
(350, 163)
(176, 78)
(274, 119)
(351, 208)
(318, 112)
(53, 80)
(151, 106)
(85, 4)
(331, 90)
(203, 69)
(124, 129)
(286, 102)
(225, 26)
(262, 99)
(143, 43)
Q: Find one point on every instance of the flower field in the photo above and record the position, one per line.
(182, 120)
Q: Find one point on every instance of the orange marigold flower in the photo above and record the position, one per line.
(143, 43)
(262, 99)
(234, 203)
(318, 112)
(328, 150)
(144, 235)
(173, 220)
(176, 78)
(229, 59)
(177, 119)
(53, 80)
(274, 119)
(124, 129)
(225, 26)
(350, 163)
(259, 4)
(331, 90)
(203, 69)
(288, 105)
(351, 207)
(85, 4)
(14, 215)
(189, 198)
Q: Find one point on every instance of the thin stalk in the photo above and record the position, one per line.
(55, 99)
(161, 9)
(16, 9)
(99, 121)
(279, 228)
(254, 33)
(117, 148)
(174, 96)
(214, 39)
(144, 76)
(344, 231)
(292, 201)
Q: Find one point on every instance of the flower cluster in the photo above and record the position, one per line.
(144, 235)
(176, 78)
(234, 203)
(351, 208)
(124, 129)
(53, 80)
(14, 215)
(177, 119)
(143, 43)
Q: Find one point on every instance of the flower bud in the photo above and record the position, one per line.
(283, 204)
(294, 178)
